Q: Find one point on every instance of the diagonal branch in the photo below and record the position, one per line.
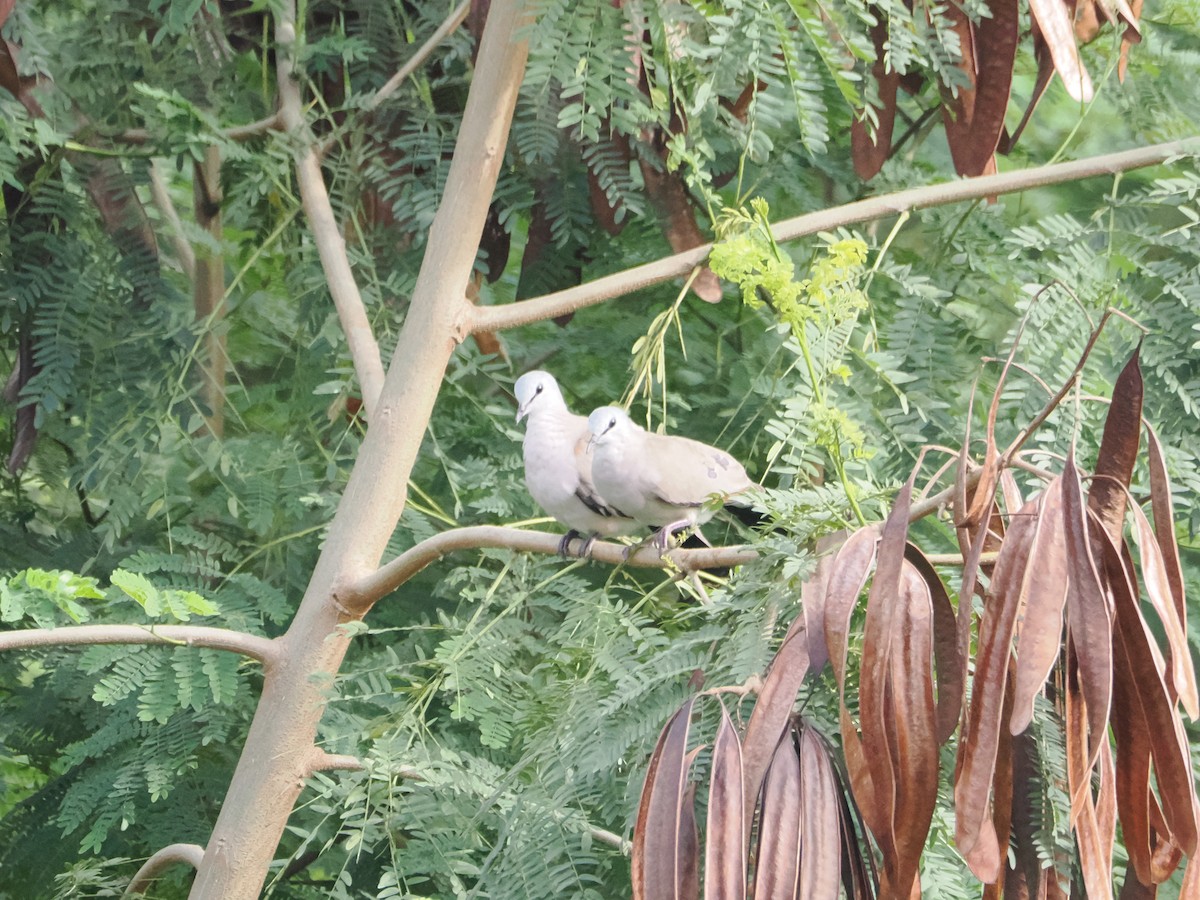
(352, 312)
(166, 207)
(262, 649)
(391, 575)
(190, 854)
(455, 19)
(536, 309)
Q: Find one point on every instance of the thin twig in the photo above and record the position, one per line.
(1052, 404)
(956, 559)
(453, 21)
(443, 31)
(536, 309)
(331, 246)
(189, 854)
(273, 122)
(260, 648)
(391, 575)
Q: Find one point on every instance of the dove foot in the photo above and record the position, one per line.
(564, 546)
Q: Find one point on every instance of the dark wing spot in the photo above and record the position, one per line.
(592, 501)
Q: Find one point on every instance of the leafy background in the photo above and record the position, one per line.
(523, 693)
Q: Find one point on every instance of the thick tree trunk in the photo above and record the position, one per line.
(279, 752)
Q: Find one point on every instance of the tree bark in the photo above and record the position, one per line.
(278, 750)
(208, 290)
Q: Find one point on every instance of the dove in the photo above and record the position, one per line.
(558, 465)
(660, 480)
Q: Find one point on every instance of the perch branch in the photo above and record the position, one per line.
(391, 575)
(536, 309)
(191, 854)
(262, 649)
(331, 246)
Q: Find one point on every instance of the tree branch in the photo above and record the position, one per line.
(325, 762)
(391, 575)
(443, 31)
(511, 315)
(455, 19)
(273, 122)
(166, 208)
(191, 854)
(260, 648)
(352, 313)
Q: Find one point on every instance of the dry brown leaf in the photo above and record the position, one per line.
(951, 672)
(1148, 689)
(1002, 790)
(1133, 773)
(850, 569)
(958, 108)
(1164, 527)
(1182, 683)
(1011, 492)
(820, 857)
(812, 600)
(870, 151)
(1190, 889)
(1089, 612)
(670, 199)
(1095, 844)
(975, 835)
(1132, 35)
(777, 868)
(1051, 16)
(1024, 878)
(859, 877)
(974, 117)
(725, 841)
(876, 715)
(1118, 450)
(913, 741)
(656, 866)
(688, 844)
(771, 713)
(1041, 634)
(1045, 73)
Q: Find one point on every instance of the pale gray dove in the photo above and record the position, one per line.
(558, 465)
(661, 480)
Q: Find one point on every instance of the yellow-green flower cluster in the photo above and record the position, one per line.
(831, 290)
(747, 255)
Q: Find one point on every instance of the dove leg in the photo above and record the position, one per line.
(662, 537)
(564, 546)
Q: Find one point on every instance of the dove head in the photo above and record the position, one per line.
(536, 387)
(609, 422)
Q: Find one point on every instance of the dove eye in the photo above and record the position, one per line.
(539, 388)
